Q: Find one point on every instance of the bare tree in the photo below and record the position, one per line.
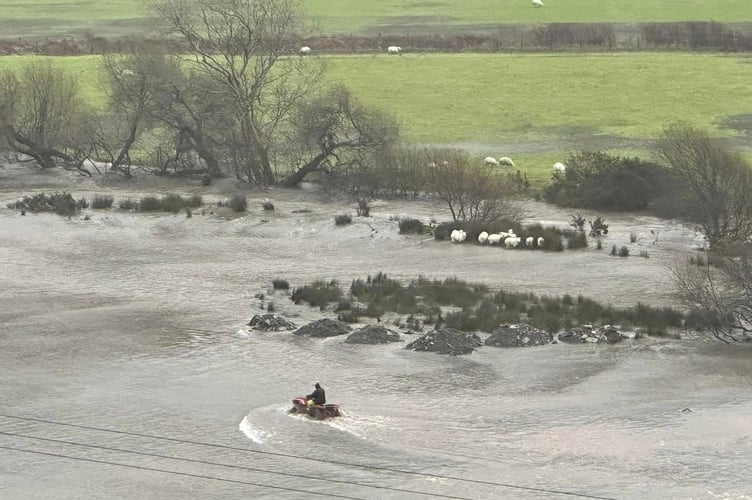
(717, 183)
(243, 48)
(471, 192)
(723, 295)
(334, 132)
(39, 106)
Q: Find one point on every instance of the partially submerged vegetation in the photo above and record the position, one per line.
(470, 307)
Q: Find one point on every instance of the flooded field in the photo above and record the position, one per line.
(130, 330)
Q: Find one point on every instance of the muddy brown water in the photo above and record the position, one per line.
(136, 323)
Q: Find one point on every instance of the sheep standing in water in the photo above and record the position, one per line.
(483, 237)
(458, 236)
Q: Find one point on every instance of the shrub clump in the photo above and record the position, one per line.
(280, 284)
(598, 180)
(409, 225)
(342, 220)
(59, 203)
(268, 206)
(238, 203)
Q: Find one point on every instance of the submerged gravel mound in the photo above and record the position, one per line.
(373, 334)
(522, 335)
(593, 334)
(446, 341)
(324, 328)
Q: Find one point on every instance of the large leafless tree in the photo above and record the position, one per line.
(716, 183)
(244, 49)
(40, 109)
(332, 131)
(722, 295)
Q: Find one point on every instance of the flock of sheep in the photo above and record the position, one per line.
(506, 238)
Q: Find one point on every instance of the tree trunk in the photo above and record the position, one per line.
(294, 179)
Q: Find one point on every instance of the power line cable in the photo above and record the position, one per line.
(241, 467)
(322, 460)
(199, 476)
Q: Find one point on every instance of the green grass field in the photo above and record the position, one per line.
(116, 17)
(532, 107)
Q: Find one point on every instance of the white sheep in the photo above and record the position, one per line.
(512, 242)
(458, 236)
(463, 235)
(494, 239)
(541, 241)
(127, 72)
(559, 167)
(304, 51)
(537, 3)
(529, 242)
(505, 160)
(490, 160)
(393, 49)
(483, 237)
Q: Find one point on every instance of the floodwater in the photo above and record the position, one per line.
(130, 330)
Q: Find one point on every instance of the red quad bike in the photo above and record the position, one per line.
(319, 412)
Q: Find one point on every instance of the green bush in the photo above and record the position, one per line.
(623, 252)
(598, 180)
(268, 206)
(102, 201)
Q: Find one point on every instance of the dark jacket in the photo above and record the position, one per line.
(318, 396)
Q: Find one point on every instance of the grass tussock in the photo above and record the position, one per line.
(318, 294)
(101, 201)
(171, 202)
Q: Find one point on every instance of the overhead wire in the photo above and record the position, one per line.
(188, 474)
(241, 467)
(321, 460)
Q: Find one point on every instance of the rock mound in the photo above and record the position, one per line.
(522, 335)
(590, 333)
(324, 328)
(372, 334)
(446, 341)
(269, 322)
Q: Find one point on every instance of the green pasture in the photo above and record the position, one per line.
(536, 108)
(118, 17)
(490, 98)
